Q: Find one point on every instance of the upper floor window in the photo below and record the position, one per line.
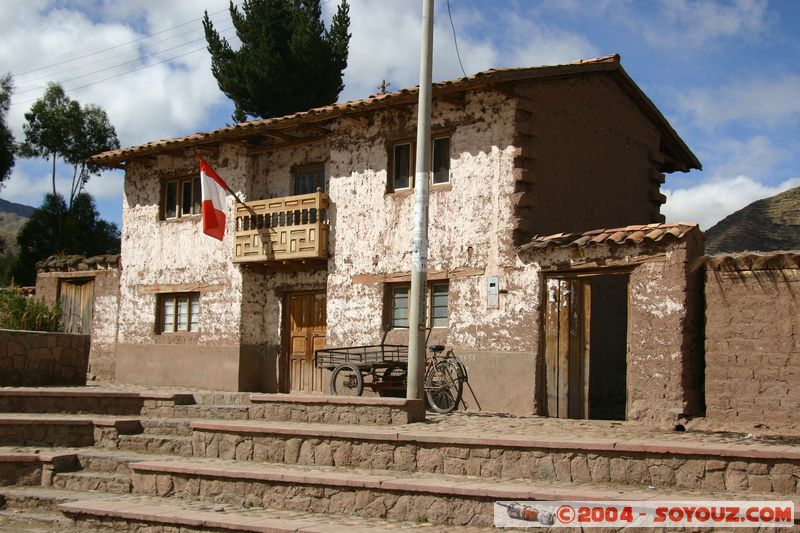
(181, 197)
(436, 305)
(178, 312)
(309, 178)
(440, 173)
(402, 158)
(402, 163)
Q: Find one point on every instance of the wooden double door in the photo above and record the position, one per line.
(306, 328)
(585, 346)
(76, 299)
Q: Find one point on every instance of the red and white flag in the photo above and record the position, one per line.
(213, 207)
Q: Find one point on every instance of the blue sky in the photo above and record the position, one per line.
(725, 73)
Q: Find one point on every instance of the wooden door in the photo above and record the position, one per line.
(566, 325)
(306, 323)
(76, 298)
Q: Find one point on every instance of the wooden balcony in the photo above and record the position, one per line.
(292, 230)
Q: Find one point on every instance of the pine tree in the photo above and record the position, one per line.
(287, 62)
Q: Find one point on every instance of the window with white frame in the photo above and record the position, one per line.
(402, 164)
(180, 197)
(178, 312)
(436, 305)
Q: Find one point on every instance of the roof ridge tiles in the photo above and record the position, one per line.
(609, 63)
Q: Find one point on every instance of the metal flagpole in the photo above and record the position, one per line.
(419, 256)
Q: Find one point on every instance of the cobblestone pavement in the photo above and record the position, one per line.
(501, 426)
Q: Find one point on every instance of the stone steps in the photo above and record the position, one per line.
(34, 521)
(444, 499)
(167, 426)
(85, 400)
(336, 409)
(162, 444)
(90, 481)
(114, 461)
(163, 514)
(41, 498)
(48, 430)
(684, 465)
(212, 411)
(282, 457)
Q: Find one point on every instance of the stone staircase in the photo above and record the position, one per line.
(94, 460)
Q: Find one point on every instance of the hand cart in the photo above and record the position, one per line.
(383, 368)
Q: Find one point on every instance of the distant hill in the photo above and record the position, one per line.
(17, 209)
(765, 225)
(12, 217)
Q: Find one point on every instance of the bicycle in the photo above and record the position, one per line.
(384, 369)
(444, 379)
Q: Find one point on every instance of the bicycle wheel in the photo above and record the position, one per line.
(443, 387)
(347, 380)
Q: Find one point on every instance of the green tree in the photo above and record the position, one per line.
(59, 127)
(7, 146)
(55, 228)
(287, 62)
(93, 134)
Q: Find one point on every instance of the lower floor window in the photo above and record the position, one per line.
(178, 312)
(436, 305)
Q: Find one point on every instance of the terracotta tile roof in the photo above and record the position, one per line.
(610, 63)
(788, 259)
(636, 234)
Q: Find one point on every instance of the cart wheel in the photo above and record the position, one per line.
(443, 387)
(347, 380)
(394, 375)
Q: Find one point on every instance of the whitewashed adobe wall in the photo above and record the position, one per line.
(470, 222)
(176, 252)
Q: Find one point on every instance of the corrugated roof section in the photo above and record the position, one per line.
(636, 234)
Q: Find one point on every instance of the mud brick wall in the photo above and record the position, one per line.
(32, 358)
(753, 346)
(665, 374)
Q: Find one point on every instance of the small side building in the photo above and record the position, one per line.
(621, 331)
(87, 290)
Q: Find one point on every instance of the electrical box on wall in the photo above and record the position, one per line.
(493, 292)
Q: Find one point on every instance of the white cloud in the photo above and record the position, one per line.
(758, 101)
(386, 43)
(30, 182)
(698, 23)
(710, 202)
(756, 156)
(161, 100)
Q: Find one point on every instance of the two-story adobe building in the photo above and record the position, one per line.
(321, 253)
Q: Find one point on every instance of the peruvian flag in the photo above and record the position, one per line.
(213, 207)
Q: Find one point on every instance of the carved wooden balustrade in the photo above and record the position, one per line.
(286, 229)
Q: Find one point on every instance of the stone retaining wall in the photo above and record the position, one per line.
(38, 358)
